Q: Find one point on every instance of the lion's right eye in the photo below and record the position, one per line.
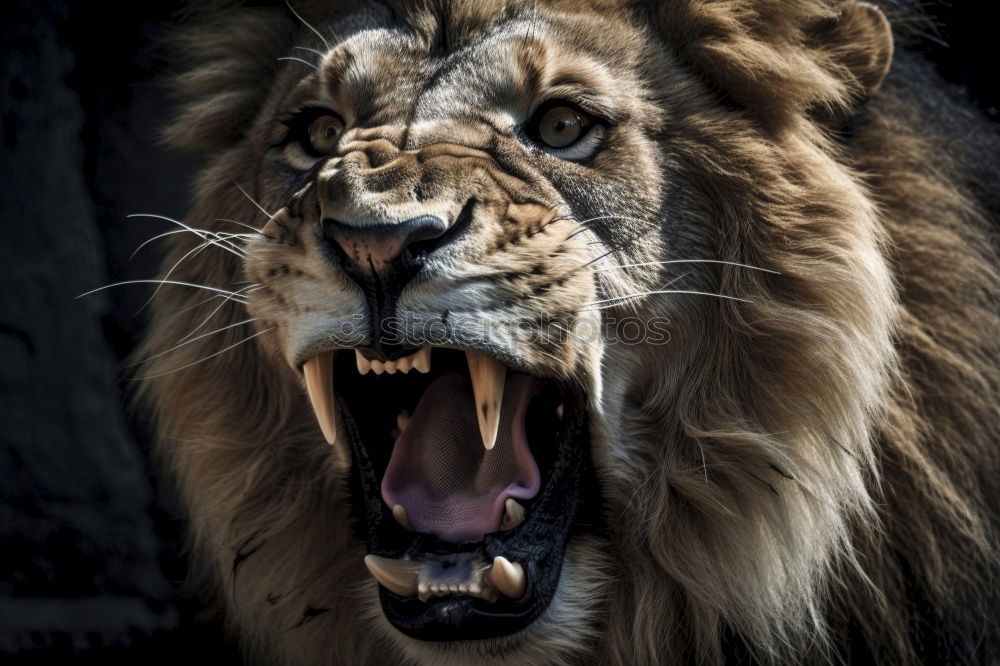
(323, 133)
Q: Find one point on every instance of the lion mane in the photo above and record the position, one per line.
(807, 473)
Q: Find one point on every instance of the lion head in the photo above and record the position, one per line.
(545, 332)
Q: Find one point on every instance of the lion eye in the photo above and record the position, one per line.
(323, 133)
(561, 126)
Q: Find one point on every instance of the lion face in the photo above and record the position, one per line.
(562, 305)
(454, 211)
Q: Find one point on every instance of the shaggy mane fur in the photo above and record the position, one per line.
(805, 477)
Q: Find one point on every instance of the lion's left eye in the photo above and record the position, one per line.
(561, 126)
(565, 131)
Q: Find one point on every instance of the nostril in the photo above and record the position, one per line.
(424, 246)
(424, 237)
(424, 228)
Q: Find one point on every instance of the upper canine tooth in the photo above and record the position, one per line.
(318, 373)
(399, 576)
(513, 514)
(364, 365)
(488, 377)
(422, 360)
(508, 577)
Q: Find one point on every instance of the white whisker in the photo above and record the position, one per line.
(300, 60)
(193, 252)
(183, 343)
(242, 224)
(618, 300)
(225, 299)
(251, 199)
(202, 360)
(200, 303)
(173, 282)
(688, 261)
(201, 233)
(156, 238)
(307, 24)
(316, 51)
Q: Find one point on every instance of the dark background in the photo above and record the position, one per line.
(91, 555)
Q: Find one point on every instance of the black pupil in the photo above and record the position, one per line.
(560, 124)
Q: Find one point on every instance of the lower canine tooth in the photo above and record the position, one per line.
(318, 372)
(402, 420)
(398, 576)
(488, 377)
(508, 577)
(560, 410)
(399, 513)
(513, 514)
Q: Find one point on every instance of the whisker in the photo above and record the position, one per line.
(173, 282)
(316, 51)
(193, 252)
(594, 260)
(182, 231)
(558, 218)
(688, 261)
(183, 343)
(242, 224)
(307, 24)
(202, 360)
(201, 233)
(584, 223)
(611, 217)
(307, 64)
(618, 300)
(251, 199)
(569, 333)
(225, 299)
(156, 238)
(200, 303)
(634, 305)
(236, 299)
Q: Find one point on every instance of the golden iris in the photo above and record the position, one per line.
(561, 126)
(324, 132)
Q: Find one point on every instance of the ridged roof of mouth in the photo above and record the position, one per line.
(466, 481)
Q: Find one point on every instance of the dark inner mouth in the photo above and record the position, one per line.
(466, 542)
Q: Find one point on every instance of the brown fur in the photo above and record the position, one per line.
(804, 476)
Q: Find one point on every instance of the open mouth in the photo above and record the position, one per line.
(468, 480)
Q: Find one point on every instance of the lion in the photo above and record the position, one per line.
(581, 332)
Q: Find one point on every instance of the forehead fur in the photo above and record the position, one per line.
(772, 56)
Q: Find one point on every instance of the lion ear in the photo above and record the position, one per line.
(860, 39)
(781, 58)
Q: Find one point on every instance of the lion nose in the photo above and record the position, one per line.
(381, 248)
